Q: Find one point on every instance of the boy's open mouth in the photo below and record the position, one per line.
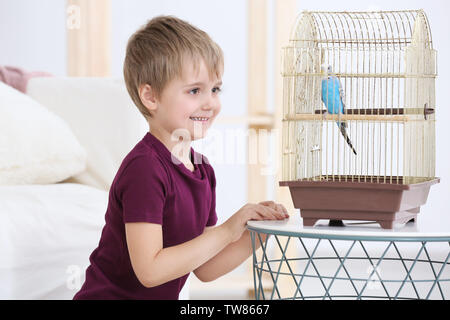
(203, 119)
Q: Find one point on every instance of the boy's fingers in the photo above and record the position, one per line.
(283, 209)
(276, 206)
(279, 208)
(266, 212)
(280, 212)
(269, 204)
(256, 214)
(273, 206)
(274, 212)
(271, 213)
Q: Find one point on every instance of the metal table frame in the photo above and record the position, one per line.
(285, 266)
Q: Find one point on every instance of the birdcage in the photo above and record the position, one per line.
(359, 115)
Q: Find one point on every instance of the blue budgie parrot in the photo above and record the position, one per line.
(333, 98)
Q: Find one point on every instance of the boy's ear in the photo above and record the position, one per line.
(148, 97)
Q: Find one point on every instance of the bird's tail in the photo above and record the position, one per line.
(343, 128)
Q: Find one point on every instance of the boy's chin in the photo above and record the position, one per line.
(199, 133)
(198, 136)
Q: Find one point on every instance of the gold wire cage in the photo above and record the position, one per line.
(382, 67)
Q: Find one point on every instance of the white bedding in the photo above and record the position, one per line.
(47, 233)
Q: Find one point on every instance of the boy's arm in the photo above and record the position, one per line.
(228, 259)
(154, 265)
(235, 253)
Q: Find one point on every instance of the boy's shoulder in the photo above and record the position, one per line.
(141, 160)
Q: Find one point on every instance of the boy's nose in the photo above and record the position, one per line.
(212, 107)
(209, 103)
(207, 106)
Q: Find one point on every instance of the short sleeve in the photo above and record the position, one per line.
(212, 219)
(142, 190)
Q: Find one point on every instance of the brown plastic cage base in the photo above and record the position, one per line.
(384, 203)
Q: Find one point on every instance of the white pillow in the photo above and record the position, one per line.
(102, 116)
(36, 146)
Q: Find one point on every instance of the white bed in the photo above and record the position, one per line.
(60, 147)
(46, 234)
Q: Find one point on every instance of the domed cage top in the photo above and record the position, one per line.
(359, 101)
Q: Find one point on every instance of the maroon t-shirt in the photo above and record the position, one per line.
(149, 187)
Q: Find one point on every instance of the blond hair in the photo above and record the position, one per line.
(155, 55)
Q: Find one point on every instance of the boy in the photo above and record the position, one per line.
(160, 220)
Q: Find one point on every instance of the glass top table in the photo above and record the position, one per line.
(356, 261)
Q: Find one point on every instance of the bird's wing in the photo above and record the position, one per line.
(342, 95)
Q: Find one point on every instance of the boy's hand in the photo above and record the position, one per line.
(276, 206)
(266, 210)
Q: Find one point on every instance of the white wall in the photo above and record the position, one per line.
(33, 35)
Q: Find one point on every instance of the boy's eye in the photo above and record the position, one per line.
(194, 91)
(216, 90)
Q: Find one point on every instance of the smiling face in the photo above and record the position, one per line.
(188, 104)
